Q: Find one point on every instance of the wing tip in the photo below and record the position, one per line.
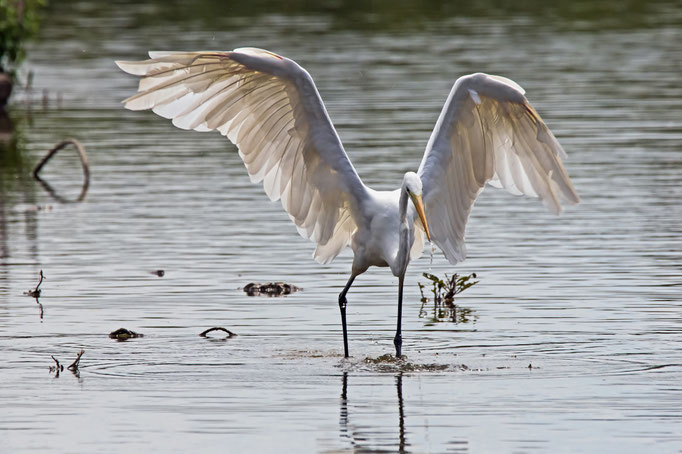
(554, 206)
(454, 253)
(256, 51)
(507, 81)
(126, 66)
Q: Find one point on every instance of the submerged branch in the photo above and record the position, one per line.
(74, 365)
(35, 293)
(84, 162)
(57, 368)
(218, 328)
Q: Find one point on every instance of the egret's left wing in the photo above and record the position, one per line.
(487, 133)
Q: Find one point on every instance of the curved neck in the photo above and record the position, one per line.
(404, 233)
(402, 205)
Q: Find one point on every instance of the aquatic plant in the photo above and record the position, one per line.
(19, 22)
(444, 291)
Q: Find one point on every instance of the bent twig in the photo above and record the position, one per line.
(218, 328)
(74, 365)
(84, 163)
(58, 368)
(35, 293)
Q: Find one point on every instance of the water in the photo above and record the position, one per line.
(575, 334)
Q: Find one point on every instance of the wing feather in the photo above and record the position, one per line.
(270, 108)
(487, 132)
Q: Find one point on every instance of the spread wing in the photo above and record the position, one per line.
(269, 107)
(487, 133)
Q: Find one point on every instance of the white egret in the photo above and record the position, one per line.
(269, 107)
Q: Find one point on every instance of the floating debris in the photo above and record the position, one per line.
(123, 334)
(387, 358)
(35, 293)
(218, 328)
(270, 289)
(390, 363)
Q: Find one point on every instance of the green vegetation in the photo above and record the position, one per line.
(444, 291)
(19, 22)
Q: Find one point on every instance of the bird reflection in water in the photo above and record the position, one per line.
(358, 442)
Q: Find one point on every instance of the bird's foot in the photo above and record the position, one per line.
(398, 342)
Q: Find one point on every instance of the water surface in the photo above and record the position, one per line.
(575, 336)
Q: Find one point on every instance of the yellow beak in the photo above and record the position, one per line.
(419, 205)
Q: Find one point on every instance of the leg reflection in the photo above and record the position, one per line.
(357, 441)
(343, 418)
(401, 412)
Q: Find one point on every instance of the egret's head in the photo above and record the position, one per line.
(413, 185)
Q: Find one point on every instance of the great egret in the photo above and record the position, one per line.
(269, 107)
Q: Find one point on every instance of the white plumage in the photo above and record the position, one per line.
(487, 133)
(269, 107)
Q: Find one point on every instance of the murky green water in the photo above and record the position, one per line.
(592, 300)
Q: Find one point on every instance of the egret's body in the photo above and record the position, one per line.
(270, 108)
(375, 242)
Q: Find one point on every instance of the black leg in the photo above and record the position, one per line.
(398, 340)
(342, 305)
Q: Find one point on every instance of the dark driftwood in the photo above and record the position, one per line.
(84, 163)
(218, 328)
(270, 289)
(123, 334)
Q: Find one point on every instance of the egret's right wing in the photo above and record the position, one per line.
(269, 107)
(487, 133)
